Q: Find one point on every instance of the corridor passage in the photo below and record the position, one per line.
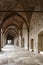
(13, 55)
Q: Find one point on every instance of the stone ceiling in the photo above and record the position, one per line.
(8, 7)
(28, 5)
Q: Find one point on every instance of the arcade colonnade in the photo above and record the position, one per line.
(15, 27)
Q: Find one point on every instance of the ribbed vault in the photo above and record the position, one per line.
(11, 32)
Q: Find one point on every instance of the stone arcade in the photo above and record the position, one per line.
(21, 32)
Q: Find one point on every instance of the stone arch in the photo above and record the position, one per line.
(14, 27)
(9, 31)
(40, 42)
(14, 14)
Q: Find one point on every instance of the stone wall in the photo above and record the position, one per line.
(36, 26)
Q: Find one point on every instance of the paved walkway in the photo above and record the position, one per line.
(12, 55)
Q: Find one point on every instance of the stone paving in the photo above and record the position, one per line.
(13, 55)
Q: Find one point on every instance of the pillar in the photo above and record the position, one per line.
(28, 39)
(20, 39)
(0, 37)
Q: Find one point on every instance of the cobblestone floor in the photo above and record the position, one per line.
(12, 55)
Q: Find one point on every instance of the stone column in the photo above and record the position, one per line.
(19, 39)
(28, 39)
(0, 37)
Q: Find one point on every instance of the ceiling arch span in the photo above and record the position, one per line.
(11, 32)
(7, 30)
(14, 14)
(15, 26)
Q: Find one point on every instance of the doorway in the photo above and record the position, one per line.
(40, 42)
(32, 44)
(23, 42)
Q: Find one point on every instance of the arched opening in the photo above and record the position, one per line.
(40, 42)
(23, 41)
(16, 22)
(11, 31)
(10, 39)
(32, 41)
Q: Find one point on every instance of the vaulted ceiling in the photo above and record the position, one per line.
(17, 12)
